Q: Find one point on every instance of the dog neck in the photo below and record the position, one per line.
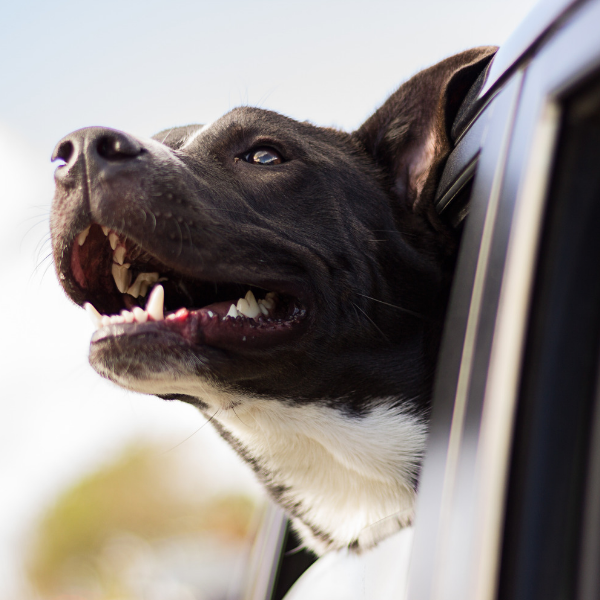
(335, 473)
(345, 478)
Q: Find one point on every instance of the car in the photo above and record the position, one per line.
(509, 494)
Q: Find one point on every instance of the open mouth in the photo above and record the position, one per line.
(128, 291)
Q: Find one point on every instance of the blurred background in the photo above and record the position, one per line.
(107, 494)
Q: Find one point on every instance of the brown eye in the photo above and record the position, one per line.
(263, 156)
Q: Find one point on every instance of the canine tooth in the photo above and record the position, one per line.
(155, 304)
(263, 309)
(232, 311)
(82, 236)
(105, 230)
(122, 277)
(95, 316)
(139, 314)
(113, 238)
(119, 254)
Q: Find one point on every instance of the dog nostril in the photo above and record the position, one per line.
(115, 147)
(64, 151)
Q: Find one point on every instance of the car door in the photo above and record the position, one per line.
(508, 504)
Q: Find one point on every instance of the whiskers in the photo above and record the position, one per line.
(356, 307)
(194, 433)
(238, 416)
(404, 310)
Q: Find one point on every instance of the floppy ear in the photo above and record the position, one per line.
(409, 136)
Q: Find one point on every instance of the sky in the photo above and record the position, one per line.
(144, 66)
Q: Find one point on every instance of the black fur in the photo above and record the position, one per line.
(345, 224)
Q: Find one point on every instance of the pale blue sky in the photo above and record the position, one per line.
(147, 65)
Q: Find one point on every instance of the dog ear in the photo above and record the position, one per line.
(409, 136)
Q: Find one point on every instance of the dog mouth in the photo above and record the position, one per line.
(128, 291)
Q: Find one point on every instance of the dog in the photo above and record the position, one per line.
(288, 280)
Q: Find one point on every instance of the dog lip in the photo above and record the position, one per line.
(209, 326)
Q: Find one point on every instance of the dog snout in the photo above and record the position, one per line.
(98, 148)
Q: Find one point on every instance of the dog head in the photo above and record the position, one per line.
(333, 233)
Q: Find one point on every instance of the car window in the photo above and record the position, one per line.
(494, 389)
(547, 515)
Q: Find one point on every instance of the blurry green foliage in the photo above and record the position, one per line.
(138, 495)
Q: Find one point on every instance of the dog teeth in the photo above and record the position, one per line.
(268, 303)
(232, 312)
(82, 236)
(128, 316)
(122, 276)
(252, 303)
(155, 304)
(119, 254)
(154, 309)
(141, 284)
(248, 306)
(113, 238)
(141, 316)
(95, 316)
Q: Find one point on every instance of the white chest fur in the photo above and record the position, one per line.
(349, 478)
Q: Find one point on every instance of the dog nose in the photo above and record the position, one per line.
(100, 148)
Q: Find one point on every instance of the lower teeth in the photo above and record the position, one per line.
(247, 307)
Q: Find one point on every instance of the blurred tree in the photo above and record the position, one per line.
(113, 522)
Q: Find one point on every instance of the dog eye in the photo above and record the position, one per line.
(263, 156)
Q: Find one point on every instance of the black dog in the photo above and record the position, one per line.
(304, 275)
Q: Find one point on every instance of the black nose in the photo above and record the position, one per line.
(99, 147)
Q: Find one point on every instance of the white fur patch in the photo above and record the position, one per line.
(199, 132)
(352, 476)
